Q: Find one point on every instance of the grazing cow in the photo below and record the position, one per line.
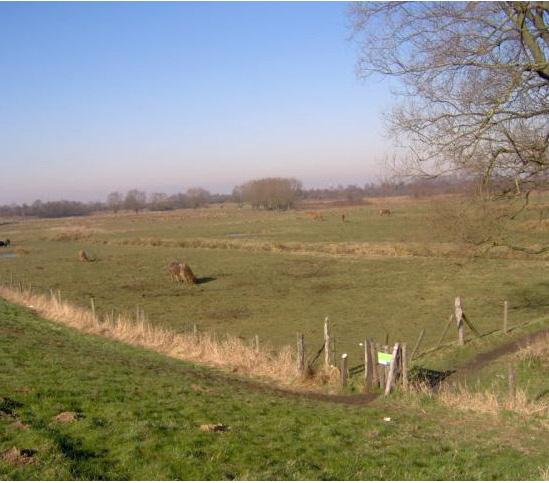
(174, 269)
(188, 275)
(315, 215)
(5, 243)
(83, 256)
(385, 211)
(181, 272)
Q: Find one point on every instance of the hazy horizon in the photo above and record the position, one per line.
(101, 97)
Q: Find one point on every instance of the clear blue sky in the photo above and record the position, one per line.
(96, 97)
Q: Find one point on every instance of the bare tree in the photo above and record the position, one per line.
(474, 85)
(197, 197)
(135, 200)
(114, 201)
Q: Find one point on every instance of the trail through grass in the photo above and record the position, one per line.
(140, 412)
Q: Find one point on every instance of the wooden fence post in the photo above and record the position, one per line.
(373, 353)
(92, 303)
(505, 310)
(392, 369)
(416, 347)
(59, 296)
(344, 370)
(301, 354)
(404, 366)
(458, 314)
(381, 368)
(368, 366)
(256, 339)
(512, 382)
(326, 343)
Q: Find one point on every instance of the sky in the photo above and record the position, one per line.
(98, 97)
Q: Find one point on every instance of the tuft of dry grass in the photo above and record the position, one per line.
(230, 352)
(73, 234)
(536, 353)
(488, 402)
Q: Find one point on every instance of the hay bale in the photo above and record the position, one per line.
(66, 417)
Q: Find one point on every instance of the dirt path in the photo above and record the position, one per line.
(476, 363)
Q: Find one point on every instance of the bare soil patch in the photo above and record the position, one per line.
(16, 456)
(66, 417)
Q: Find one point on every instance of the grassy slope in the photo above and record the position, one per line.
(276, 294)
(141, 413)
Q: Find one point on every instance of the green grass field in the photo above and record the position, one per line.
(274, 274)
(139, 415)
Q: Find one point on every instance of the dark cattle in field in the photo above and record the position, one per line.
(5, 243)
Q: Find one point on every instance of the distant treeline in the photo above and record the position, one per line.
(266, 193)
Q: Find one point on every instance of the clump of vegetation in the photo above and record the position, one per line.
(269, 193)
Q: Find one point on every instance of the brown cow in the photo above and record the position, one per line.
(181, 272)
(174, 269)
(385, 211)
(188, 275)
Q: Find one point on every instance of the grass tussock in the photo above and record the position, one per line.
(535, 354)
(230, 352)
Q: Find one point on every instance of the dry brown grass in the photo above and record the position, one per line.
(230, 352)
(536, 352)
(73, 234)
(485, 401)
(326, 249)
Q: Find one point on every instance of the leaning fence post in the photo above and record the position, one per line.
(368, 366)
(326, 343)
(505, 310)
(344, 370)
(300, 354)
(416, 347)
(392, 369)
(92, 303)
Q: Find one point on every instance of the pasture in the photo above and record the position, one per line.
(276, 273)
(138, 416)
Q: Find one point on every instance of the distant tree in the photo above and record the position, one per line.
(115, 201)
(135, 200)
(270, 193)
(160, 202)
(197, 197)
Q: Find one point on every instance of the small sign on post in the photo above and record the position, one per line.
(384, 358)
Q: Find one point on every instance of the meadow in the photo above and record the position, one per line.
(273, 274)
(137, 402)
(137, 415)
